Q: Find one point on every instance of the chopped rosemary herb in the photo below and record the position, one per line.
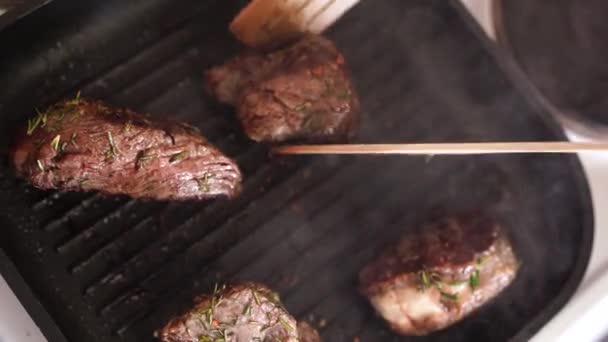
(450, 296)
(64, 145)
(55, 142)
(73, 140)
(430, 279)
(203, 182)
(142, 157)
(83, 182)
(60, 116)
(285, 325)
(43, 118)
(178, 156)
(31, 125)
(128, 126)
(111, 152)
(247, 310)
(255, 297)
(39, 120)
(474, 280)
(40, 165)
(425, 279)
(75, 100)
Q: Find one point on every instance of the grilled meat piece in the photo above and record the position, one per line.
(300, 92)
(85, 145)
(438, 275)
(240, 313)
(306, 333)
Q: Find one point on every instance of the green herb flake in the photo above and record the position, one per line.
(178, 156)
(128, 126)
(38, 121)
(286, 325)
(247, 310)
(210, 313)
(40, 165)
(73, 140)
(474, 280)
(75, 100)
(425, 279)
(43, 118)
(55, 142)
(255, 297)
(203, 182)
(450, 296)
(142, 158)
(205, 339)
(456, 282)
(112, 151)
(32, 124)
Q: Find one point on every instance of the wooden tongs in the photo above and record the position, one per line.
(447, 148)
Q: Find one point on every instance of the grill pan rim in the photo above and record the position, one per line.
(519, 80)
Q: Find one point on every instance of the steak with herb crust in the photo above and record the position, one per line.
(85, 145)
(246, 312)
(436, 276)
(302, 92)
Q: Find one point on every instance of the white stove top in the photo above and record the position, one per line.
(582, 319)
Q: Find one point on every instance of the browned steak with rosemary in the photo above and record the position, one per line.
(247, 312)
(302, 92)
(85, 145)
(436, 276)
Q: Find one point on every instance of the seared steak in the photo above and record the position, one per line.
(300, 92)
(85, 145)
(306, 333)
(438, 275)
(242, 313)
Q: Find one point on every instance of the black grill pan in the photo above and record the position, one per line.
(114, 269)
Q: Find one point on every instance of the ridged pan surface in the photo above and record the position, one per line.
(115, 269)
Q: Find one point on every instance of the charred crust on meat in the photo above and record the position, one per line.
(302, 92)
(438, 274)
(83, 145)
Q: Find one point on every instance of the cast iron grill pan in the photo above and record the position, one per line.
(115, 269)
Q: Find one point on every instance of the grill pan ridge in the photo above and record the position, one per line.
(115, 269)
